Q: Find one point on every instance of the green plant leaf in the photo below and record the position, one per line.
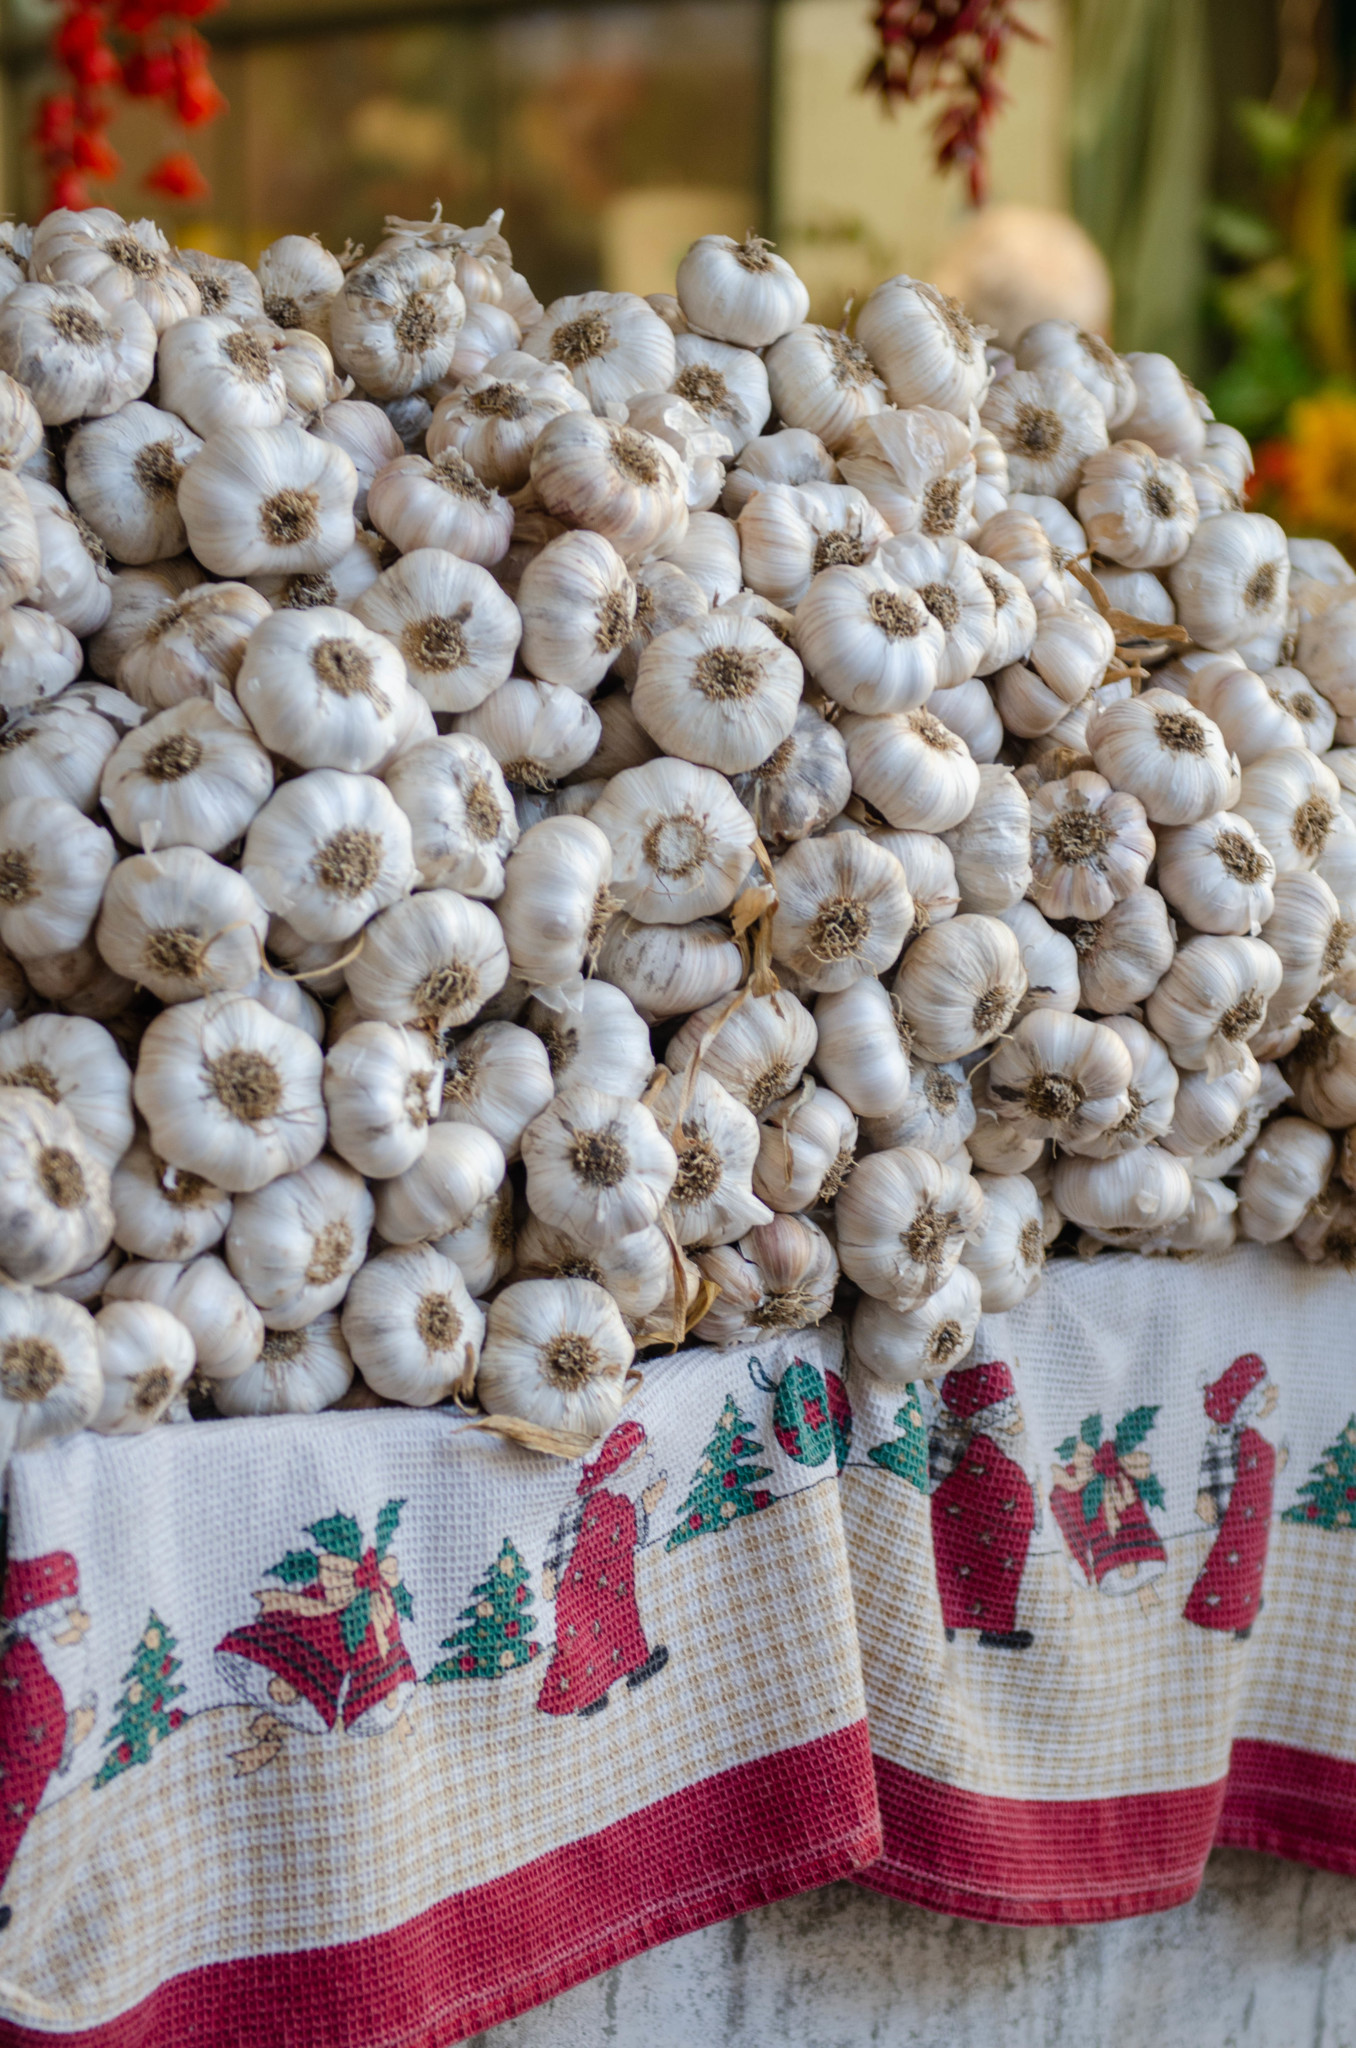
(353, 1621)
(1092, 1496)
(404, 1606)
(298, 1568)
(1066, 1450)
(340, 1535)
(1132, 1429)
(387, 1522)
(1090, 1429)
(1244, 236)
(1150, 1488)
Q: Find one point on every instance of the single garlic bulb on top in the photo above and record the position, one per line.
(922, 1343)
(1218, 874)
(556, 1354)
(191, 776)
(924, 346)
(843, 909)
(226, 1328)
(1213, 999)
(597, 1165)
(191, 644)
(1090, 846)
(298, 1372)
(394, 321)
(275, 499)
(411, 1327)
(740, 292)
(1048, 424)
(902, 1221)
(578, 608)
(868, 640)
(229, 1092)
(454, 626)
(122, 475)
(322, 690)
(780, 1277)
(959, 986)
(55, 1213)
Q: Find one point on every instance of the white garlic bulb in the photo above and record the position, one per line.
(411, 1327)
(75, 358)
(1213, 999)
(383, 1087)
(1218, 874)
(327, 851)
(1123, 955)
(721, 692)
(790, 456)
(298, 1372)
(916, 467)
(578, 607)
(911, 768)
(612, 344)
(1136, 507)
(1322, 1067)
(122, 474)
(716, 1141)
(461, 817)
(76, 1063)
(991, 846)
(598, 1165)
(617, 481)
(54, 864)
(499, 1077)
(1168, 414)
(160, 1212)
(1247, 709)
(295, 1245)
(780, 1277)
(599, 1043)
(1208, 1224)
(458, 1170)
(922, 1343)
(275, 498)
(802, 785)
(55, 1213)
(432, 960)
(902, 1221)
(537, 732)
(824, 383)
(1230, 586)
(1048, 424)
(930, 871)
(1293, 802)
(116, 260)
(1061, 1077)
(1062, 344)
(924, 346)
(863, 1047)
(74, 584)
(1090, 846)
(681, 841)
(1007, 1257)
(708, 554)
(494, 416)
(807, 1147)
(440, 503)
(217, 375)
(1113, 1199)
(230, 1092)
(556, 1354)
(843, 909)
(959, 986)
(1311, 938)
(1049, 959)
(1165, 752)
(50, 1382)
(191, 645)
(1283, 1177)
(757, 1050)
(56, 750)
(481, 1248)
(936, 1116)
(182, 924)
(788, 534)
(226, 1328)
(322, 690)
(394, 321)
(145, 1358)
(21, 436)
(947, 576)
(556, 900)
(38, 657)
(190, 776)
(727, 387)
(868, 640)
(739, 292)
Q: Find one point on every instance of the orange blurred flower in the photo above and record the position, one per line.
(1318, 480)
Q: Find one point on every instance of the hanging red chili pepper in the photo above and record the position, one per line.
(956, 48)
(144, 49)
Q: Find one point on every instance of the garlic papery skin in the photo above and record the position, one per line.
(81, 981)
(721, 692)
(217, 376)
(1058, 1076)
(708, 554)
(1283, 1177)
(790, 456)
(1311, 938)
(1314, 715)
(411, 1327)
(1166, 753)
(328, 851)
(461, 816)
(598, 1165)
(1048, 424)
(295, 1245)
(1090, 846)
(226, 1328)
(494, 417)
(1230, 587)
(1049, 958)
(1152, 1092)
(55, 1213)
(926, 349)
(75, 358)
(788, 534)
(459, 1168)
(457, 631)
(726, 387)
(1113, 1199)
(1207, 1225)
(74, 584)
(863, 1047)
(1212, 1000)
(1250, 715)
(868, 640)
(366, 436)
(1324, 654)
(823, 382)
(54, 864)
(911, 768)
(556, 901)
(122, 475)
(1123, 955)
(1017, 542)
(192, 645)
(38, 657)
(598, 1043)
(1322, 1068)
(1007, 1258)
(806, 1150)
(1137, 508)
(991, 847)
(1327, 1235)
(1218, 875)
(556, 1354)
(21, 435)
(959, 986)
(432, 960)
(162, 1213)
(843, 910)
(1071, 651)
(1062, 344)
(499, 1077)
(145, 1358)
(1209, 1110)
(190, 775)
(780, 1277)
(537, 732)
(716, 1140)
(902, 1221)
(322, 690)
(614, 347)
(74, 1062)
(342, 584)
(1016, 623)
(57, 750)
(916, 468)
(383, 1087)
(758, 1051)
(666, 596)
(936, 1116)
(181, 924)
(578, 607)
(298, 1372)
(637, 1271)
(1293, 801)
(617, 481)
(395, 319)
(740, 292)
(802, 785)
(115, 260)
(1002, 1148)
(1168, 414)
(440, 503)
(681, 840)
(899, 1348)
(947, 576)
(230, 1092)
(272, 499)
(930, 871)
(50, 1382)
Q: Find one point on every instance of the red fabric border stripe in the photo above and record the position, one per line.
(762, 1831)
(1036, 1862)
(1292, 1803)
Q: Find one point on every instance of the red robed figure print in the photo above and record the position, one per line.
(983, 1505)
(1238, 1475)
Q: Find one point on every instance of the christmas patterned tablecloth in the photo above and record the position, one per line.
(368, 1731)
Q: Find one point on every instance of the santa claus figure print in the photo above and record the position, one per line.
(1238, 1475)
(984, 1506)
(590, 1574)
(46, 1707)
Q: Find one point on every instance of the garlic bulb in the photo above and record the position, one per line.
(781, 1276)
(824, 383)
(275, 499)
(740, 292)
(1311, 938)
(1247, 709)
(55, 1213)
(600, 1043)
(681, 841)
(556, 901)
(1123, 955)
(1324, 653)
(116, 260)
(960, 985)
(598, 1165)
(1218, 874)
(56, 750)
(1230, 586)
(637, 1271)
(383, 1087)
(708, 555)
(758, 1051)
(1166, 753)
(1210, 1110)
(1016, 624)
(916, 468)
(459, 1168)
(411, 1327)
(1049, 958)
(499, 1077)
(328, 851)
(191, 776)
(322, 690)
(229, 1092)
(721, 692)
(578, 607)
(461, 817)
(21, 436)
(38, 657)
(868, 640)
(481, 1248)
(432, 960)
(924, 346)
(806, 1149)
(74, 584)
(922, 1343)
(1168, 414)
(75, 358)
(122, 474)
(145, 1358)
(788, 534)
(1293, 802)
(1060, 1077)
(1007, 1257)
(1327, 1236)
(394, 321)
(946, 574)
(843, 909)
(1283, 1177)
(930, 871)
(366, 436)
(161, 1213)
(902, 1221)
(217, 375)
(191, 645)
(440, 503)
(611, 343)
(726, 387)
(803, 783)
(790, 456)
(50, 1382)
(1061, 344)
(1048, 424)
(936, 1116)
(298, 1372)
(1116, 1198)
(537, 732)
(716, 1141)
(1019, 544)
(295, 1245)
(494, 417)
(75, 1063)
(54, 864)
(1213, 999)
(556, 1354)
(1090, 846)
(863, 1047)
(181, 924)
(991, 846)
(226, 1328)
(617, 481)
(1314, 715)
(911, 768)
(1136, 507)
(1322, 1068)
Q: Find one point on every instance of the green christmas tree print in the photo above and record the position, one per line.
(144, 1714)
(723, 1485)
(494, 1640)
(1330, 1487)
(906, 1455)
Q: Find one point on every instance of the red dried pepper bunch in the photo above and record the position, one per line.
(955, 47)
(144, 49)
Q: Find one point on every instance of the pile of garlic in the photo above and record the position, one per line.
(527, 833)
